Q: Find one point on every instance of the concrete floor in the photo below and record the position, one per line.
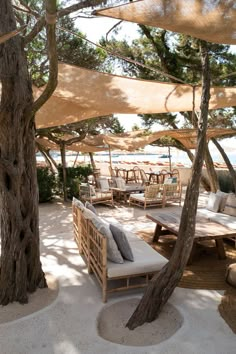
(68, 325)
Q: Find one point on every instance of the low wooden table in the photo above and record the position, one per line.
(123, 194)
(204, 229)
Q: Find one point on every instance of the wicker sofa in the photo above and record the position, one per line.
(113, 277)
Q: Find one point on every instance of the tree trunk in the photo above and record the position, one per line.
(21, 270)
(204, 180)
(163, 284)
(92, 161)
(63, 163)
(214, 183)
(227, 161)
(49, 159)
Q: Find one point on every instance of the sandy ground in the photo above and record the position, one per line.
(70, 323)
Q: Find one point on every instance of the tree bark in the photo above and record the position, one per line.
(163, 284)
(204, 180)
(21, 270)
(214, 183)
(227, 161)
(63, 163)
(92, 161)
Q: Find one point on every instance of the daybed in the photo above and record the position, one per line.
(95, 242)
(221, 208)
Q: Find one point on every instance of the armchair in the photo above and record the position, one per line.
(95, 196)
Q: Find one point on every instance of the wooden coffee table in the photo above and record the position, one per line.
(123, 194)
(168, 221)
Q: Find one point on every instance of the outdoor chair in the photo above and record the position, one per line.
(164, 174)
(175, 173)
(137, 176)
(144, 178)
(95, 195)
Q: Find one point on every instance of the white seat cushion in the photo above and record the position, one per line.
(146, 260)
(220, 218)
(102, 195)
(213, 202)
(139, 196)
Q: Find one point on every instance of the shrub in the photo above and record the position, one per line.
(225, 181)
(46, 184)
(74, 176)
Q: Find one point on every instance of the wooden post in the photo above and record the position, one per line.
(110, 160)
(169, 158)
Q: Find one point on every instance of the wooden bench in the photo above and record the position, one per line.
(93, 247)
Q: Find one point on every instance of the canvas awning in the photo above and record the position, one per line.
(78, 147)
(132, 141)
(213, 21)
(188, 137)
(82, 94)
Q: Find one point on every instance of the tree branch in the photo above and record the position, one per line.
(51, 16)
(61, 13)
(6, 36)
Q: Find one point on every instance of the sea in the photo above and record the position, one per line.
(176, 156)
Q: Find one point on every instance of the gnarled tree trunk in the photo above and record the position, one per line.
(21, 270)
(204, 180)
(227, 161)
(163, 284)
(211, 171)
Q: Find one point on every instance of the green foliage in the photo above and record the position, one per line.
(74, 176)
(225, 181)
(46, 184)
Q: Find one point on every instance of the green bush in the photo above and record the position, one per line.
(46, 184)
(74, 176)
(225, 181)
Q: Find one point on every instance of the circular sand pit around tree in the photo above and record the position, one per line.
(37, 301)
(113, 318)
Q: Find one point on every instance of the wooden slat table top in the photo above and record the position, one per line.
(204, 229)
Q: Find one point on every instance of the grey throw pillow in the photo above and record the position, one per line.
(122, 242)
(113, 253)
(90, 207)
(78, 203)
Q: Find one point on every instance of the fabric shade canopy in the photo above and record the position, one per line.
(213, 21)
(131, 141)
(188, 137)
(82, 94)
(78, 147)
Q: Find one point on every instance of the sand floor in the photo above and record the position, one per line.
(69, 323)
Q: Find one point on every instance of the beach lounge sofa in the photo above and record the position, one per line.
(221, 208)
(119, 263)
(157, 195)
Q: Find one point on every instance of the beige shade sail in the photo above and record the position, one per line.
(131, 141)
(82, 94)
(210, 20)
(78, 147)
(188, 137)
